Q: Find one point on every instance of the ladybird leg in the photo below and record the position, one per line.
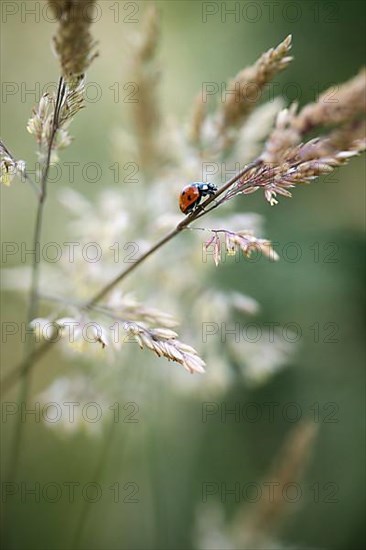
(208, 192)
(200, 208)
(193, 207)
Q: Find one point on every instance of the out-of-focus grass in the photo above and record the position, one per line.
(170, 452)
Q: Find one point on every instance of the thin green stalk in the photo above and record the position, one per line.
(34, 298)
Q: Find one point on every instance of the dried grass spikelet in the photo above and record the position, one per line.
(248, 243)
(239, 240)
(73, 102)
(41, 123)
(342, 106)
(304, 164)
(73, 42)
(301, 164)
(336, 105)
(9, 166)
(249, 82)
(164, 343)
(145, 109)
(255, 528)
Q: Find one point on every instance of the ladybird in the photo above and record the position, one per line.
(192, 194)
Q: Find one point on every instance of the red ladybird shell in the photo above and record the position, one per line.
(189, 195)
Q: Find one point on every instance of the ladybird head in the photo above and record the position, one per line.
(206, 188)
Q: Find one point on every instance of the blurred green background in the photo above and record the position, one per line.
(170, 452)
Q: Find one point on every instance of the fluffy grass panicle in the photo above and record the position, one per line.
(73, 42)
